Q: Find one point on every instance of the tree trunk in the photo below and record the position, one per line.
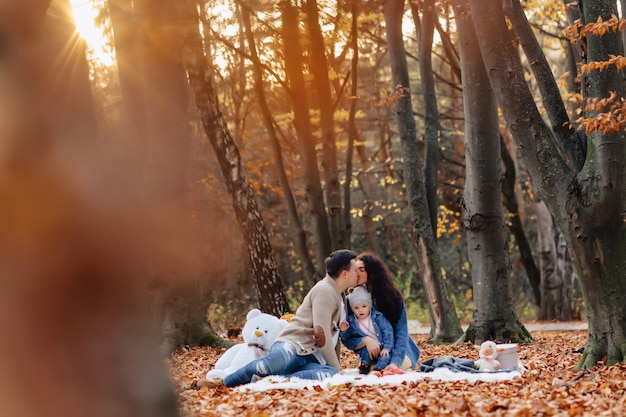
(565, 270)
(125, 34)
(73, 303)
(431, 113)
(600, 253)
(300, 242)
(352, 130)
(623, 9)
(445, 325)
(555, 285)
(568, 137)
(302, 124)
(155, 93)
(515, 222)
(587, 205)
(319, 68)
(494, 315)
(572, 55)
(269, 286)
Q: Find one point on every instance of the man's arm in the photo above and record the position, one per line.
(325, 306)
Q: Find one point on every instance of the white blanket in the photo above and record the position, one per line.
(352, 376)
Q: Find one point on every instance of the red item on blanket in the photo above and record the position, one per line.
(393, 372)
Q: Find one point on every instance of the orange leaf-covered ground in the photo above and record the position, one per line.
(549, 387)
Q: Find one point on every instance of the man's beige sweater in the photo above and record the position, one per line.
(322, 305)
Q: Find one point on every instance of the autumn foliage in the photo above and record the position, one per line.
(549, 387)
(609, 112)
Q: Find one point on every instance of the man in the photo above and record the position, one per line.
(301, 349)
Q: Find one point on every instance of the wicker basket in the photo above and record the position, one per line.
(507, 355)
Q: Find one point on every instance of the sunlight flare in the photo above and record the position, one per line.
(84, 13)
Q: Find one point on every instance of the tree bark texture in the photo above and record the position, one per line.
(431, 112)
(319, 68)
(352, 129)
(515, 222)
(586, 205)
(494, 315)
(445, 325)
(302, 124)
(269, 286)
(555, 284)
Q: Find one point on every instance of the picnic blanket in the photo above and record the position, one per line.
(445, 368)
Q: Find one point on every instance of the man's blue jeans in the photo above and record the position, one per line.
(282, 359)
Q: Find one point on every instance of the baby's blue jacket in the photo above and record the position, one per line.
(353, 335)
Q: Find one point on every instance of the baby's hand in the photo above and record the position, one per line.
(384, 352)
(344, 326)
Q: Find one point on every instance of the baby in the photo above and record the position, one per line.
(364, 321)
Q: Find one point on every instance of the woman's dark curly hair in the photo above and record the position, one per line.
(386, 296)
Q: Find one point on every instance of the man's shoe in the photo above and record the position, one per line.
(320, 337)
(364, 369)
(209, 383)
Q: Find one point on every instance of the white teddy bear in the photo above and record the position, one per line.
(259, 333)
(488, 355)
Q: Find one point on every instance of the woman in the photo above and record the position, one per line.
(387, 299)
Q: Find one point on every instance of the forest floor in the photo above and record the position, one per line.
(549, 386)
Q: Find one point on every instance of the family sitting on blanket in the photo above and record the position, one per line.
(301, 349)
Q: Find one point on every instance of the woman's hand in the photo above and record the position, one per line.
(373, 347)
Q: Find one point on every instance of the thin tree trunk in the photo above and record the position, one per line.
(319, 68)
(431, 113)
(573, 53)
(367, 215)
(302, 124)
(623, 9)
(568, 137)
(555, 285)
(300, 243)
(565, 271)
(444, 321)
(269, 286)
(352, 131)
(125, 34)
(515, 222)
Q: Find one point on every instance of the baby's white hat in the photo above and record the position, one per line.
(360, 296)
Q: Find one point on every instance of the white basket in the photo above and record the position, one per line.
(507, 355)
